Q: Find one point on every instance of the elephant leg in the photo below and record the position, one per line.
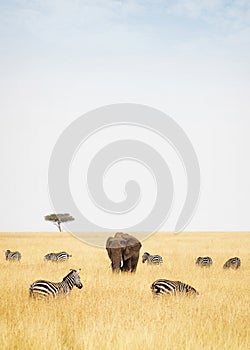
(126, 267)
(115, 268)
(134, 261)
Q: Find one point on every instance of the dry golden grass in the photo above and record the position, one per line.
(118, 311)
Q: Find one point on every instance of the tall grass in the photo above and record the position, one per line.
(118, 311)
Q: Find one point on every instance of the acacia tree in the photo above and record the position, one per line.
(58, 219)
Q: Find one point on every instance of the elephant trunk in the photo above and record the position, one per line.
(116, 263)
(116, 267)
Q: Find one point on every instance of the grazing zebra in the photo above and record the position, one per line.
(205, 261)
(43, 288)
(163, 286)
(12, 256)
(62, 256)
(152, 259)
(234, 263)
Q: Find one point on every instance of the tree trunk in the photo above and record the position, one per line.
(59, 226)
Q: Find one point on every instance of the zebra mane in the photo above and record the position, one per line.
(71, 271)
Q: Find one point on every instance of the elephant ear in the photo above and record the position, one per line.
(108, 242)
(133, 242)
(108, 246)
(131, 250)
(114, 243)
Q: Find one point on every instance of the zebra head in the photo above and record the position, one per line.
(47, 256)
(156, 289)
(75, 278)
(145, 257)
(192, 291)
(198, 260)
(7, 252)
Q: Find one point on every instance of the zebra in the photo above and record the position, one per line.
(234, 263)
(12, 256)
(204, 261)
(162, 286)
(152, 259)
(45, 289)
(62, 256)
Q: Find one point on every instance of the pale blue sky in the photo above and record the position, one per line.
(60, 59)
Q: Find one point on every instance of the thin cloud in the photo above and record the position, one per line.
(75, 13)
(109, 26)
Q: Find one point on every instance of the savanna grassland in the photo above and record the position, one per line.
(118, 311)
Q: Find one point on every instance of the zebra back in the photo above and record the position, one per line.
(163, 286)
(56, 257)
(152, 259)
(234, 263)
(204, 261)
(12, 256)
(50, 257)
(42, 288)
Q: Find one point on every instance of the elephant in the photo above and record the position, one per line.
(123, 251)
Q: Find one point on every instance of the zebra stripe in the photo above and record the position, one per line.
(234, 263)
(62, 256)
(162, 286)
(12, 256)
(43, 288)
(204, 261)
(152, 259)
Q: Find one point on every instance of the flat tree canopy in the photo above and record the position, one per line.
(57, 219)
